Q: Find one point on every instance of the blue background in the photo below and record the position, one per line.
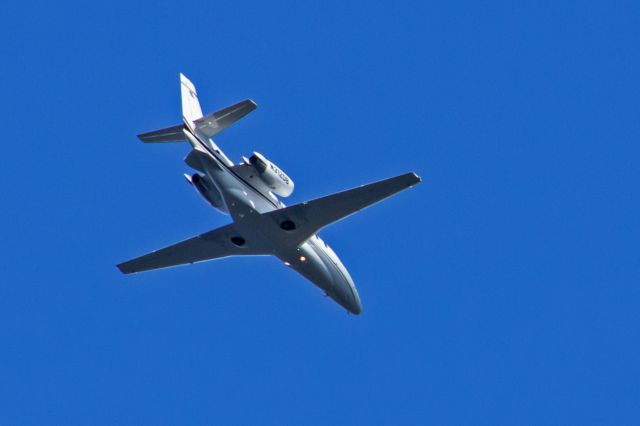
(502, 290)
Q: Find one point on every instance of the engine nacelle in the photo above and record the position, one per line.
(209, 192)
(277, 180)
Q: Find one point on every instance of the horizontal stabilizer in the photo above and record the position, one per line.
(170, 134)
(210, 245)
(212, 124)
(303, 220)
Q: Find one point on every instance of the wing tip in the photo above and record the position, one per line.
(123, 267)
(414, 178)
(253, 103)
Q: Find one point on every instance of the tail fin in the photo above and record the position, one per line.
(208, 126)
(191, 110)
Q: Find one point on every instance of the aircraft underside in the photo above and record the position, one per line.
(262, 224)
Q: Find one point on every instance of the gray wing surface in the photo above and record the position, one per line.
(212, 124)
(210, 245)
(309, 217)
(170, 134)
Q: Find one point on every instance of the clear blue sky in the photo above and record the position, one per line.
(502, 290)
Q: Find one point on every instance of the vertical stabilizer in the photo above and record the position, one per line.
(191, 110)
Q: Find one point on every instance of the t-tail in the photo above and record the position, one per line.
(206, 126)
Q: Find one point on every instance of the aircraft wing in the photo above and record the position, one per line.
(305, 219)
(210, 245)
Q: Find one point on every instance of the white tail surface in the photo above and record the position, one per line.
(191, 110)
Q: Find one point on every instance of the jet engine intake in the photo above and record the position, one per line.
(209, 192)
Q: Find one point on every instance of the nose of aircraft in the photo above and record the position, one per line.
(356, 306)
(324, 269)
(346, 295)
(343, 290)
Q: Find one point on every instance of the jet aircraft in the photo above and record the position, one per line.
(249, 192)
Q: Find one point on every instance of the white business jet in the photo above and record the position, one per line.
(249, 191)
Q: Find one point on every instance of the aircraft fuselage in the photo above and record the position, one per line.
(262, 224)
(314, 259)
